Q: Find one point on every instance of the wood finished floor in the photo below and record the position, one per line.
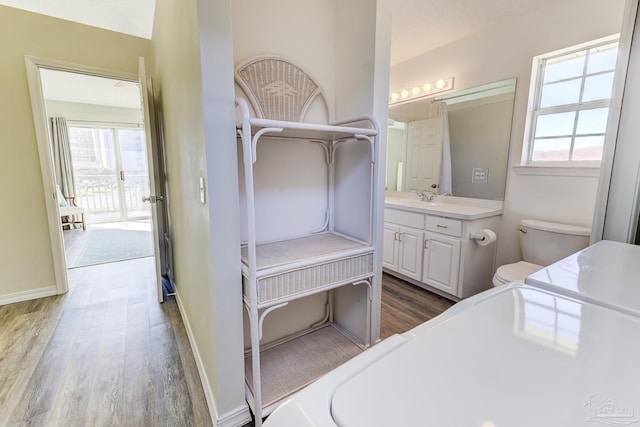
(107, 354)
(405, 306)
(104, 354)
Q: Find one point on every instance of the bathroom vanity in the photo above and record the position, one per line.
(439, 245)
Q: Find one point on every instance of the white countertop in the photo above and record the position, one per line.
(450, 207)
(607, 273)
(512, 356)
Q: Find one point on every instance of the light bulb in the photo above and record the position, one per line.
(440, 84)
(415, 90)
(404, 93)
(427, 87)
(394, 96)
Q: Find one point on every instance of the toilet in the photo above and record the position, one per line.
(542, 243)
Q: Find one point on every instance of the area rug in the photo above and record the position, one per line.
(111, 245)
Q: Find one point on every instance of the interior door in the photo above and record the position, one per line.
(423, 155)
(155, 200)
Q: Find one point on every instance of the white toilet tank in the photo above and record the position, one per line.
(544, 243)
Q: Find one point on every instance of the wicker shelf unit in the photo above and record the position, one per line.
(277, 272)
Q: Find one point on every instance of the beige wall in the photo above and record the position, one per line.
(25, 248)
(507, 51)
(194, 91)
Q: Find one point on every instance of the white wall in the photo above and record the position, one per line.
(302, 31)
(479, 135)
(506, 51)
(621, 220)
(340, 54)
(362, 83)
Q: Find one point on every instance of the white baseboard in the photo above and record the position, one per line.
(28, 295)
(236, 418)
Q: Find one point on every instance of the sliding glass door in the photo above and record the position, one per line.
(134, 175)
(110, 167)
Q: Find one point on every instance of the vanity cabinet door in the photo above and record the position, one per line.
(390, 246)
(410, 252)
(441, 262)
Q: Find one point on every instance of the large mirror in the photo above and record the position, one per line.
(472, 161)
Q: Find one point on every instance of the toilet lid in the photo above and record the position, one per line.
(516, 272)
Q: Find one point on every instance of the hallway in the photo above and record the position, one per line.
(106, 353)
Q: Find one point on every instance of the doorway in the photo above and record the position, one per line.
(100, 134)
(103, 178)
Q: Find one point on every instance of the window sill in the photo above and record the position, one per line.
(586, 171)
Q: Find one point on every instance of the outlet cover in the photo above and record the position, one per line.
(480, 175)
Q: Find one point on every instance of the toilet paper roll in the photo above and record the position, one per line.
(484, 237)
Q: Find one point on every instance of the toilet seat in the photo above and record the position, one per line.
(515, 272)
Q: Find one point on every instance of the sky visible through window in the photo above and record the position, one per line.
(572, 100)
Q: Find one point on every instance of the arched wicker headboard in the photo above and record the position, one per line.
(277, 88)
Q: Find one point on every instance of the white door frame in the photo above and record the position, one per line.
(33, 65)
(616, 209)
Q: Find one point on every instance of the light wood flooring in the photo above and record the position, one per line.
(104, 354)
(107, 354)
(405, 306)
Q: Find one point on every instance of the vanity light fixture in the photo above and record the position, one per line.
(428, 89)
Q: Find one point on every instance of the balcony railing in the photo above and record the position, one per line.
(99, 196)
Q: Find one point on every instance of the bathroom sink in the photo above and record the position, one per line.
(420, 204)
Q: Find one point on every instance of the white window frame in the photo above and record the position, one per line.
(570, 167)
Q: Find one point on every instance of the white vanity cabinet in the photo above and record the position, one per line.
(403, 250)
(432, 248)
(403, 243)
(441, 262)
(442, 253)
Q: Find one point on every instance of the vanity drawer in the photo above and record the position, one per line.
(451, 227)
(408, 219)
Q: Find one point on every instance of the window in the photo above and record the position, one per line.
(569, 104)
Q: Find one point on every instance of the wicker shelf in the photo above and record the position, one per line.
(296, 130)
(293, 268)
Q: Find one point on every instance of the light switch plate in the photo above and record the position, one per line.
(202, 199)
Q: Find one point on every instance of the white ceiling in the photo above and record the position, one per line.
(134, 17)
(72, 87)
(418, 25)
(423, 25)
